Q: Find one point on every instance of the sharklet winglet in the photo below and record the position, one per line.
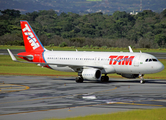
(11, 55)
(130, 49)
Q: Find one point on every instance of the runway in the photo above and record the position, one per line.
(36, 98)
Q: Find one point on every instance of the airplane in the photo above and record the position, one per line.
(88, 65)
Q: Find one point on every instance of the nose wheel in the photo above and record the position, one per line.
(142, 79)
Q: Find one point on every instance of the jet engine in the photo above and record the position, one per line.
(91, 74)
(130, 75)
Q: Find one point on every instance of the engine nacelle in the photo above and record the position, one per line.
(91, 74)
(130, 75)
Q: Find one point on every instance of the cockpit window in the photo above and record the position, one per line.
(154, 60)
(150, 60)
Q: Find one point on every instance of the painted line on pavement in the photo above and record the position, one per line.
(6, 88)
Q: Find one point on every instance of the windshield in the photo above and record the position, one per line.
(151, 59)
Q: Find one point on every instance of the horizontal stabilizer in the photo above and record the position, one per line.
(28, 56)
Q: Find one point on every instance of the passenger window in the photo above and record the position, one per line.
(146, 60)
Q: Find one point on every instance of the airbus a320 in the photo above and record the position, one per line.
(88, 65)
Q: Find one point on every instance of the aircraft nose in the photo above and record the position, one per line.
(160, 67)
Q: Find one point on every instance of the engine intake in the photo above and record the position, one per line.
(91, 74)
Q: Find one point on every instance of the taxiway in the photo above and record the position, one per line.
(36, 98)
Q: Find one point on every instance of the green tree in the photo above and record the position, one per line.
(10, 14)
(163, 13)
(160, 39)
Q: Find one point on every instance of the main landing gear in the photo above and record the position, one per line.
(79, 79)
(142, 79)
(104, 78)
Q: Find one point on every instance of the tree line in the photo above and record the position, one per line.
(147, 29)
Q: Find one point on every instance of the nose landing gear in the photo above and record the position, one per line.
(142, 79)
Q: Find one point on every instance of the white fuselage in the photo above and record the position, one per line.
(121, 62)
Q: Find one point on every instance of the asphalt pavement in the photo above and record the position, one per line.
(37, 97)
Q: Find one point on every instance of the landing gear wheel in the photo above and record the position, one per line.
(79, 79)
(142, 81)
(104, 78)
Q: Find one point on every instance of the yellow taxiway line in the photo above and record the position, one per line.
(6, 88)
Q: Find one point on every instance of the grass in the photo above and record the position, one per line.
(11, 47)
(149, 114)
(8, 67)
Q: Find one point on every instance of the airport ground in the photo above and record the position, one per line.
(38, 97)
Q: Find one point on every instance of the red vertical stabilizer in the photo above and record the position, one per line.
(31, 41)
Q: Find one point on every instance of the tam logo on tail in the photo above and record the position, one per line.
(31, 41)
(30, 37)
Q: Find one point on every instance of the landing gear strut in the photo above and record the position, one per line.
(142, 79)
(79, 79)
(104, 78)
